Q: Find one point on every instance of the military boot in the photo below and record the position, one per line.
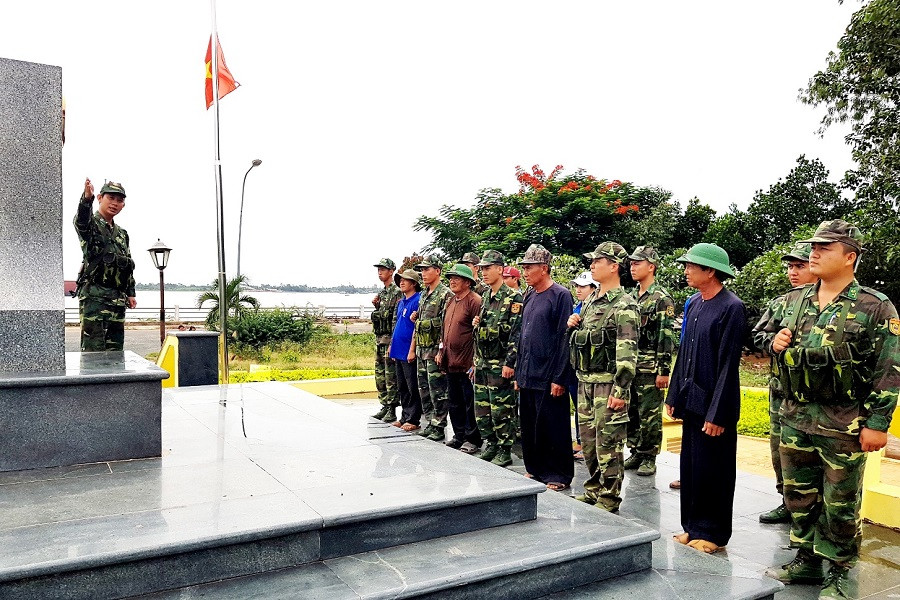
(390, 414)
(381, 412)
(437, 434)
(648, 467)
(805, 568)
(776, 515)
(633, 462)
(489, 452)
(503, 458)
(426, 431)
(837, 583)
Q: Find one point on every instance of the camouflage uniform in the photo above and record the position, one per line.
(106, 279)
(841, 373)
(656, 345)
(496, 342)
(429, 325)
(384, 317)
(480, 288)
(603, 351)
(776, 392)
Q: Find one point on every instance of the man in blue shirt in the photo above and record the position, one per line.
(402, 354)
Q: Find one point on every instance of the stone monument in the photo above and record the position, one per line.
(55, 408)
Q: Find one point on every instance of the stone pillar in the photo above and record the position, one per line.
(32, 311)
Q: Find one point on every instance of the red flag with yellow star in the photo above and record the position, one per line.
(227, 84)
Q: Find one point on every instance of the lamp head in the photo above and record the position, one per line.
(159, 252)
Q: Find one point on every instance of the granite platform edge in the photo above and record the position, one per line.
(37, 379)
(205, 542)
(402, 509)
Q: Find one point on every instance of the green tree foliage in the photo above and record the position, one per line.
(237, 303)
(690, 227)
(803, 197)
(860, 85)
(566, 214)
(670, 275)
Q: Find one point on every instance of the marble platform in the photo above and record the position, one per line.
(104, 406)
(264, 481)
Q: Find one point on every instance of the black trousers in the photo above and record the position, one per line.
(546, 436)
(461, 408)
(708, 473)
(408, 390)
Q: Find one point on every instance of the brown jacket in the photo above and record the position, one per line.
(458, 340)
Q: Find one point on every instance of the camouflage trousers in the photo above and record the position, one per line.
(495, 407)
(385, 377)
(645, 415)
(822, 490)
(603, 433)
(775, 433)
(433, 391)
(102, 325)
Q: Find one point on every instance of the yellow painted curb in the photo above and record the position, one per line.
(339, 385)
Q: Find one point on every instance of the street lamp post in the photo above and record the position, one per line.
(159, 252)
(256, 162)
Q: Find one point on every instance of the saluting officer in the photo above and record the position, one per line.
(837, 350)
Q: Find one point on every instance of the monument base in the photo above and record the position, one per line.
(106, 406)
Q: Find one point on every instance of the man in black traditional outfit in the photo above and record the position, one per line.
(705, 393)
(543, 374)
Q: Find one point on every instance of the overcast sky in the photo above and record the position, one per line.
(368, 114)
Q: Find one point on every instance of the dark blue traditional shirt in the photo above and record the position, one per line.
(543, 345)
(705, 381)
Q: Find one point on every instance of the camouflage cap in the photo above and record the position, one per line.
(386, 263)
(430, 260)
(610, 250)
(837, 230)
(800, 252)
(536, 255)
(411, 275)
(647, 253)
(461, 270)
(491, 257)
(470, 257)
(111, 187)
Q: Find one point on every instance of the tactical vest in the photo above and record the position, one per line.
(594, 350)
(492, 342)
(382, 319)
(824, 375)
(106, 267)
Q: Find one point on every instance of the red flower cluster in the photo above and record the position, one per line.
(535, 182)
(621, 210)
(570, 187)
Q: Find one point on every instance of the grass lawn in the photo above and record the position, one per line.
(337, 351)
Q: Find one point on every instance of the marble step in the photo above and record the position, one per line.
(253, 479)
(569, 544)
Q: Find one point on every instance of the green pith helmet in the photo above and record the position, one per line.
(647, 253)
(800, 252)
(610, 250)
(837, 230)
(470, 257)
(411, 275)
(708, 255)
(491, 257)
(536, 255)
(429, 260)
(461, 270)
(386, 263)
(111, 187)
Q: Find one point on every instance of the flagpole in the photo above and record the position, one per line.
(220, 208)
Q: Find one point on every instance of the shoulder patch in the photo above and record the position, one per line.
(894, 326)
(516, 308)
(670, 311)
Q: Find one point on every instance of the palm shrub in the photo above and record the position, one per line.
(237, 303)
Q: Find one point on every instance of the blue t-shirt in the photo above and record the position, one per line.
(403, 330)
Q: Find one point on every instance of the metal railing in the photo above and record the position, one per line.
(176, 314)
